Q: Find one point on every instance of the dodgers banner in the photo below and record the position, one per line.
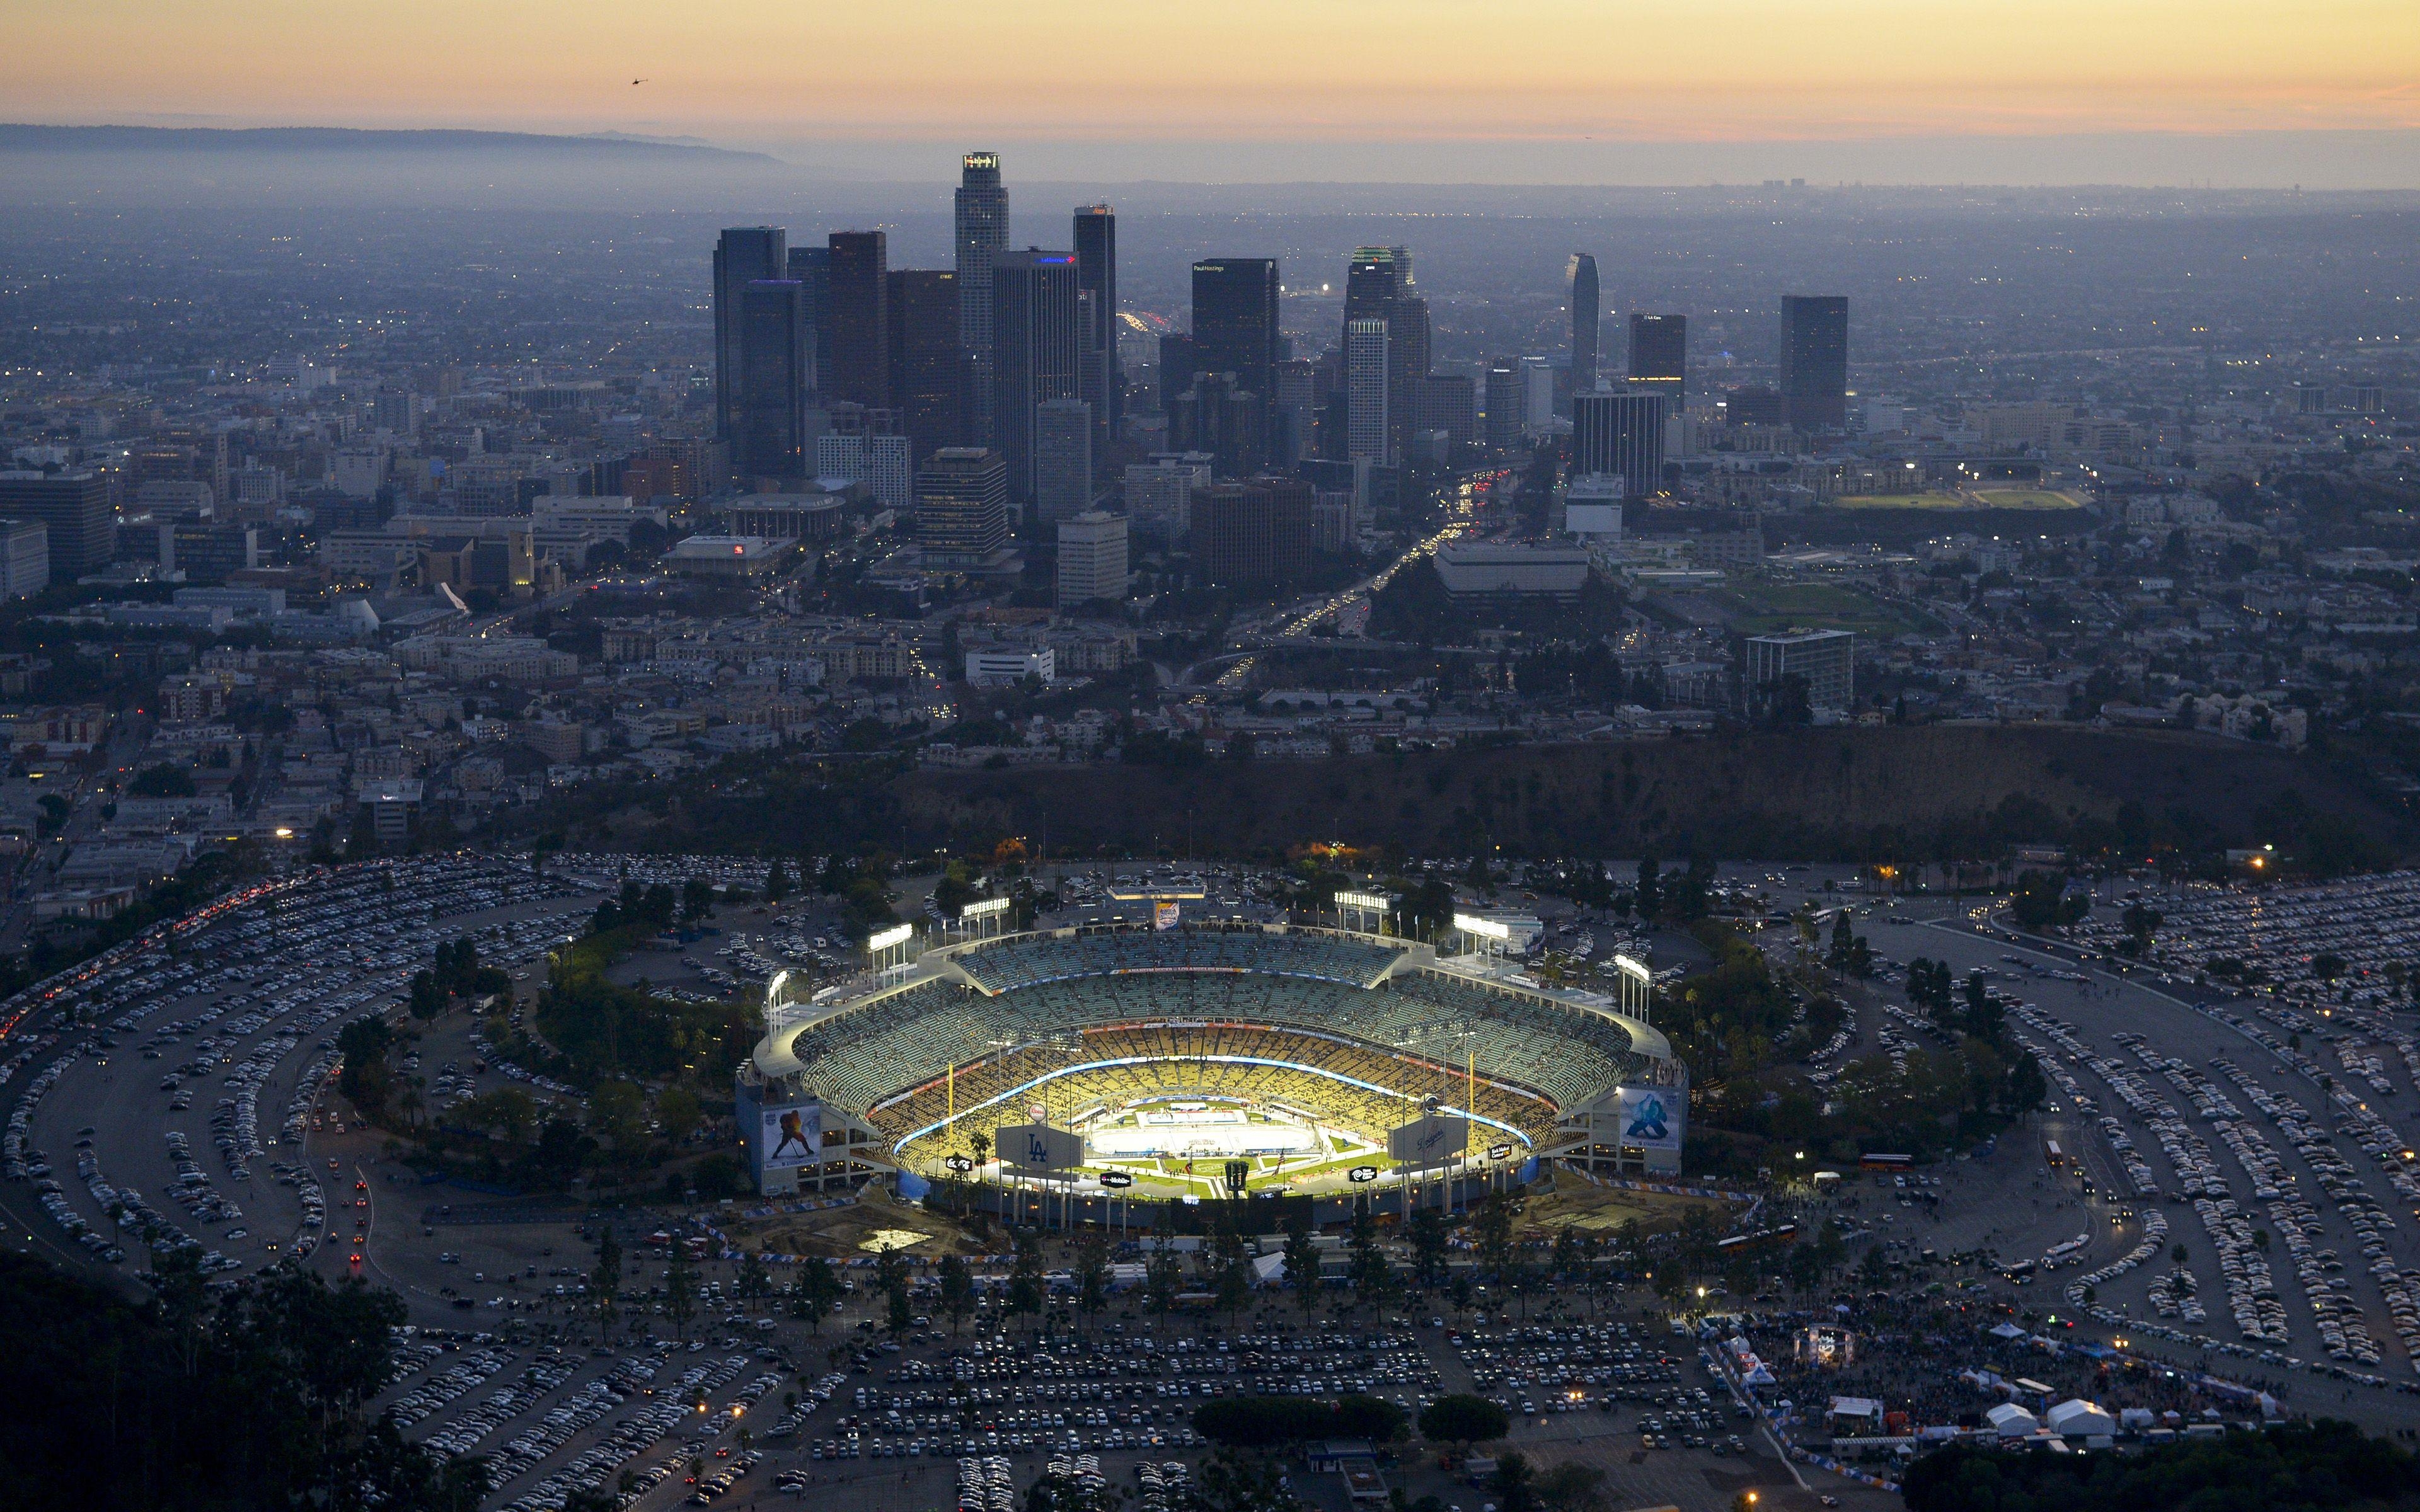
(1649, 1116)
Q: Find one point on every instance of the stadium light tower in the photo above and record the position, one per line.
(1637, 989)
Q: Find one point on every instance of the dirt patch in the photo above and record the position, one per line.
(1603, 1210)
(843, 1233)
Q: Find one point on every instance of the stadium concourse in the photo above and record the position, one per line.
(1165, 1064)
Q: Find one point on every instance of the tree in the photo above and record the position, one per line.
(605, 1281)
(1428, 1231)
(1464, 1419)
(696, 899)
(1233, 1482)
(1366, 1263)
(1569, 1486)
(1514, 1490)
(815, 1291)
(1302, 1264)
(619, 1110)
(1231, 1277)
(891, 1279)
(680, 1291)
(677, 1111)
(777, 882)
(1649, 896)
(752, 1284)
(958, 1290)
(1493, 1230)
(1026, 1288)
(1092, 1272)
(428, 999)
(1163, 1276)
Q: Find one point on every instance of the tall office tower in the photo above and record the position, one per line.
(1096, 274)
(1447, 402)
(927, 370)
(1815, 360)
(962, 505)
(1402, 269)
(1235, 320)
(868, 446)
(1659, 357)
(981, 234)
(73, 507)
(1159, 495)
(1176, 368)
(1092, 558)
(812, 266)
(1365, 389)
(1291, 408)
(776, 368)
(1587, 314)
(743, 254)
(1035, 342)
(859, 330)
(1619, 433)
(1504, 404)
(1371, 284)
(1063, 459)
(1823, 663)
(1537, 396)
(1220, 418)
(1253, 535)
(1407, 364)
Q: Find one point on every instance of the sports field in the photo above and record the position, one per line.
(1962, 499)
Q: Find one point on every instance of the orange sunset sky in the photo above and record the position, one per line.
(779, 73)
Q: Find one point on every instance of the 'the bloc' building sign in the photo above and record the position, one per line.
(790, 1136)
(1038, 1147)
(1649, 1116)
(1428, 1142)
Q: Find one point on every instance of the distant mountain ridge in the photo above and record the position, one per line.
(341, 139)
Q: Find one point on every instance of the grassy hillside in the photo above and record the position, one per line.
(1851, 794)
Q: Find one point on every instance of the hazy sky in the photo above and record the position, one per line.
(1141, 86)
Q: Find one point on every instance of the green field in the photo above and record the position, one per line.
(2027, 499)
(1965, 498)
(1761, 608)
(1899, 501)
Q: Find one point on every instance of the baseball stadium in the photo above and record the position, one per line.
(1176, 1063)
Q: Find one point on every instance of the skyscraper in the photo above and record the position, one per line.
(1588, 312)
(1815, 360)
(1176, 368)
(1619, 433)
(74, 507)
(1365, 388)
(1096, 274)
(1370, 284)
(743, 254)
(927, 370)
(1035, 342)
(962, 505)
(1092, 558)
(1659, 357)
(1503, 400)
(812, 266)
(1063, 459)
(775, 372)
(857, 334)
(1235, 320)
(1253, 535)
(981, 232)
(1407, 366)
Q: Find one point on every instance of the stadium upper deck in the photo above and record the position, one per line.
(997, 1018)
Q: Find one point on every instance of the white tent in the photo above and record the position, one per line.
(2011, 1421)
(2076, 1418)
